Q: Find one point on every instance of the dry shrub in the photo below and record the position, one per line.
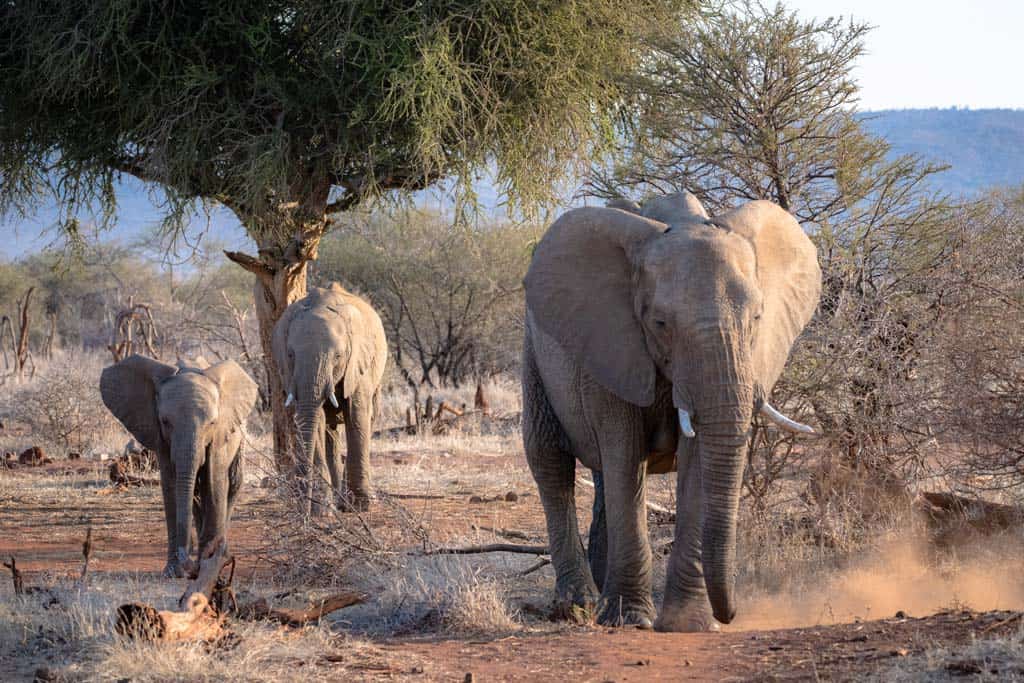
(76, 638)
(62, 407)
(449, 595)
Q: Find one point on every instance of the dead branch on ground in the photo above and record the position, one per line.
(259, 610)
(543, 562)
(507, 533)
(492, 548)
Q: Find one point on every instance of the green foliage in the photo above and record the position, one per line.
(450, 294)
(270, 107)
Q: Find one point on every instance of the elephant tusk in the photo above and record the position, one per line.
(288, 401)
(784, 422)
(333, 399)
(685, 424)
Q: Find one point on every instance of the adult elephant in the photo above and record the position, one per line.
(650, 341)
(192, 418)
(327, 345)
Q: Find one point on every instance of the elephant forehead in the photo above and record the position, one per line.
(683, 254)
(191, 389)
(325, 319)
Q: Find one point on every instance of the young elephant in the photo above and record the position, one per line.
(192, 418)
(331, 351)
(649, 345)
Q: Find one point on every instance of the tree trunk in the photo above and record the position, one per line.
(280, 280)
(272, 298)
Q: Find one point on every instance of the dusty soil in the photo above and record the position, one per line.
(44, 528)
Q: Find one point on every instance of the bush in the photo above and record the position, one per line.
(62, 407)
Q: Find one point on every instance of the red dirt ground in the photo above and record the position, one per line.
(46, 535)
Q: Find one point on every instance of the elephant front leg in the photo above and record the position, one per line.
(686, 606)
(358, 430)
(213, 501)
(626, 595)
(171, 568)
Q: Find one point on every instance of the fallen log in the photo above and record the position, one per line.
(198, 621)
(204, 577)
(197, 618)
(260, 610)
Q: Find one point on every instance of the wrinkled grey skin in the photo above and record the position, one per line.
(192, 418)
(332, 341)
(629, 319)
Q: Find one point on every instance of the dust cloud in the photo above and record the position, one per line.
(904, 575)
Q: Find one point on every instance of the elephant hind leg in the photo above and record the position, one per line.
(554, 469)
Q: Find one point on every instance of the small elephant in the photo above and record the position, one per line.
(650, 341)
(192, 418)
(331, 351)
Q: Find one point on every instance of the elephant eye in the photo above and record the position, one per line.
(660, 323)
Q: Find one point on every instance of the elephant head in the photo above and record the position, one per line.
(181, 412)
(713, 305)
(321, 358)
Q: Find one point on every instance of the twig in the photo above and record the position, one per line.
(413, 496)
(543, 562)
(654, 507)
(492, 548)
(19, 582)
(1003, 622)
(507, 533)
(87, 554)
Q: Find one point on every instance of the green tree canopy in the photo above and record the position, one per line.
(287, 112)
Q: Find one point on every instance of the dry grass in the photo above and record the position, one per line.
(995, 659)
(76, 635)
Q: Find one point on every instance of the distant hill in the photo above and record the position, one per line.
(984, 146)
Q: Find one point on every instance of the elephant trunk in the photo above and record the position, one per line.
(309, 416)
(313, 388)
(188, 455)
(723, 410)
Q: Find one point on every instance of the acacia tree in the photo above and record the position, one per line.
(288, 112)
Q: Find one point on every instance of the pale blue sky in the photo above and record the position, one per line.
(921, 54)
(935, 54)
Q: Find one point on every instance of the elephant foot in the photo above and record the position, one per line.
(575, 603)
(696, 619)
(617, 610)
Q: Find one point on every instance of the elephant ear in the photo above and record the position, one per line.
(580, 289)
(279, 342)
(238, 392)
(360, 360)
(790, 278)
(129, 390)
